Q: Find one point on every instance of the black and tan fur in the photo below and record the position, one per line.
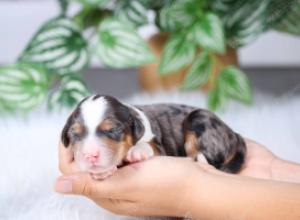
(179, 130)
(182, 130)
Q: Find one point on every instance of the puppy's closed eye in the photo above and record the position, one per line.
(76, 130)
(111, 128)
(115, 133)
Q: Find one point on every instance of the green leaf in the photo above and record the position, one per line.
(63, 6)
(22, 87)
(278, 10)
(208, 33)
(222, 7)
(177, 54)
(199, 72)
(164, 21)
(157, 5)
(120, 46)
(58, 46)
(291, 22)
(89, 17)
(245, 21)
(235, 84)
(72, 90)
(93, 3)
(216, 98)
(132, 11)
(180, 14)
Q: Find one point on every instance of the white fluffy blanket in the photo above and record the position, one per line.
(28, 153)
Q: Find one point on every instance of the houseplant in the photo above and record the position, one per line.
(199, 31)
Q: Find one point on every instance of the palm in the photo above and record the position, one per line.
(258, 161)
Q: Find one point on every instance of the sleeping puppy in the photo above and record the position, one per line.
(104, 133)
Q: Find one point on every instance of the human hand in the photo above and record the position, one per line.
(155, 187)
(133, 190)
(66, 160)
(160, 186)
(263, 164)
(259, 161)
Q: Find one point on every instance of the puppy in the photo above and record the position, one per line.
(104, 133)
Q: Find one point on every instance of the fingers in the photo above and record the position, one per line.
(84, 184)
(104, 194)
(119, 186)
(66, 160)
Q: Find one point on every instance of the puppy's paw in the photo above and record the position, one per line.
(201, 158)
(139, 152)
(104, 175)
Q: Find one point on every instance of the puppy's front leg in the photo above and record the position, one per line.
(139, 152)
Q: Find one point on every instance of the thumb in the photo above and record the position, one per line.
(82, 184)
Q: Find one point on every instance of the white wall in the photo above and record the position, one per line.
(272, 49)
(20, 19)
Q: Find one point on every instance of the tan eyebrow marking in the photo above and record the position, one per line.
(106, 125)
(191, 144)
(77, 128)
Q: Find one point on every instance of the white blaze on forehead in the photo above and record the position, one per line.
(93, 112)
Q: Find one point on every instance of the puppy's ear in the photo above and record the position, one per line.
(65, 139)
(138, 129)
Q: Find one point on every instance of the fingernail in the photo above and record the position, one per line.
(63, 186)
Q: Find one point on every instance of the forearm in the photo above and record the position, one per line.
(233, 197)
(286, 171)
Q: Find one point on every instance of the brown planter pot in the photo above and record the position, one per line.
(150, 80)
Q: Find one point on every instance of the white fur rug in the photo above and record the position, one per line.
(28, 153)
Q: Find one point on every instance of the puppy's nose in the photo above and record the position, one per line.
(91, 156)
(91, 159)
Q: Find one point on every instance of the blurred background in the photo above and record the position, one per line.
(271, 60)
(240, 58)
